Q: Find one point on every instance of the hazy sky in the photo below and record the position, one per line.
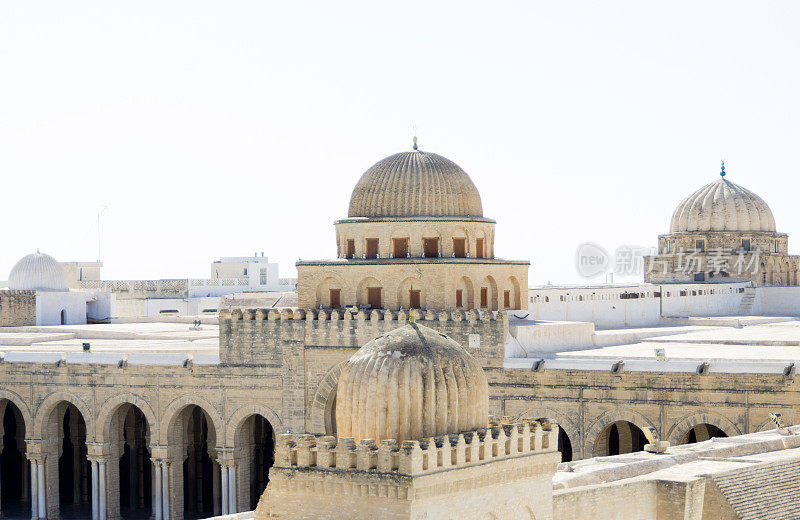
(205, 129)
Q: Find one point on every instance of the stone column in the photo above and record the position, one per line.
(224, 489)
(165, 489)
(157, 507)
(232, 508)
(95, 490)
(42, 489)
(215, 486)
(98, 454)
(102, 477)
(34, 453)
(34, 492)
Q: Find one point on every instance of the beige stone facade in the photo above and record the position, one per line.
(17, 308)
(689, 257)
(502, 472)
(415, 237)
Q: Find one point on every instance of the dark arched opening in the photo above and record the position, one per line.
(262, 451)
(74, 487)
(564, 445)
(702, 432)
(14, 476)
(135, 468)
(63, 316)
(198, 467)
(619, 438)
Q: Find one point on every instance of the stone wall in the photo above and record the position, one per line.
(17, 308)
(437, 279)
(502, 472)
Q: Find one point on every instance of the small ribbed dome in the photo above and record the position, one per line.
(38, 272)
(722, 206)
(410, 384)
(415, 183)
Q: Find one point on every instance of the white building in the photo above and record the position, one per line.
(56, 304)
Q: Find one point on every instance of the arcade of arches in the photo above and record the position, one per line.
(127, 477)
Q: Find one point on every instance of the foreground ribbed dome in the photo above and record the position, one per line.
(38, 272)
(415, 183)
(409, 384)
(722, 206)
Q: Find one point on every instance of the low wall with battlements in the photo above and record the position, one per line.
(503, 472)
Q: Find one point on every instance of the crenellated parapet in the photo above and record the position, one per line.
(416, 457)
(503, 471)
(261, 336)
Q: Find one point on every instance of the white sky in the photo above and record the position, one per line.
(211, 129)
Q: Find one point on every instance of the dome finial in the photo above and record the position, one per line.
(415, 143)
(722, 171)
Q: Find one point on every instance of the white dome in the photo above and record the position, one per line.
(722, 206)
(38, 272)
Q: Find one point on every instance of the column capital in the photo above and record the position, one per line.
(159, 452)
(226, 457)
(34, 450)
(98, 451)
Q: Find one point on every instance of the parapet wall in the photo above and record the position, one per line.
(264, 336)
(17, 308)
(502, 472)
(416, 457)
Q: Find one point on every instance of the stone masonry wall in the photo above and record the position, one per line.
(17, 308)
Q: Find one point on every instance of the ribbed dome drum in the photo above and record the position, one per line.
(415, 184)
(38, 272)
(410, 384)
(722, 206)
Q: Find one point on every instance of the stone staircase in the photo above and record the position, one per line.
(748, 299)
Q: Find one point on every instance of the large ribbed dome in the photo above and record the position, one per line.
(410, 384)
(413, 184)
(722, 206)
(38, 272)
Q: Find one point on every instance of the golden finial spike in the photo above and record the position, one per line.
(415, 143)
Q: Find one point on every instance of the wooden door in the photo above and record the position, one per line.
(459, 298)
(484, 297)
(336, 298)
(372, 248)
(374, 297)
(478, 248)
(351, 248)
(460, 247)
(415, 298)
(431, 247)
(400, 247)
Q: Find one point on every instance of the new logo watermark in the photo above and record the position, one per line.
(591, 260)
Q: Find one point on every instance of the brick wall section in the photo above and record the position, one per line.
(17, 308)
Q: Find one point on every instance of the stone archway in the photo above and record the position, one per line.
(129, 469)
(254, 453)
(679, 433)
(14, 467)
(323, 406)
(64, 474)
(193, 467)
(628, 425)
